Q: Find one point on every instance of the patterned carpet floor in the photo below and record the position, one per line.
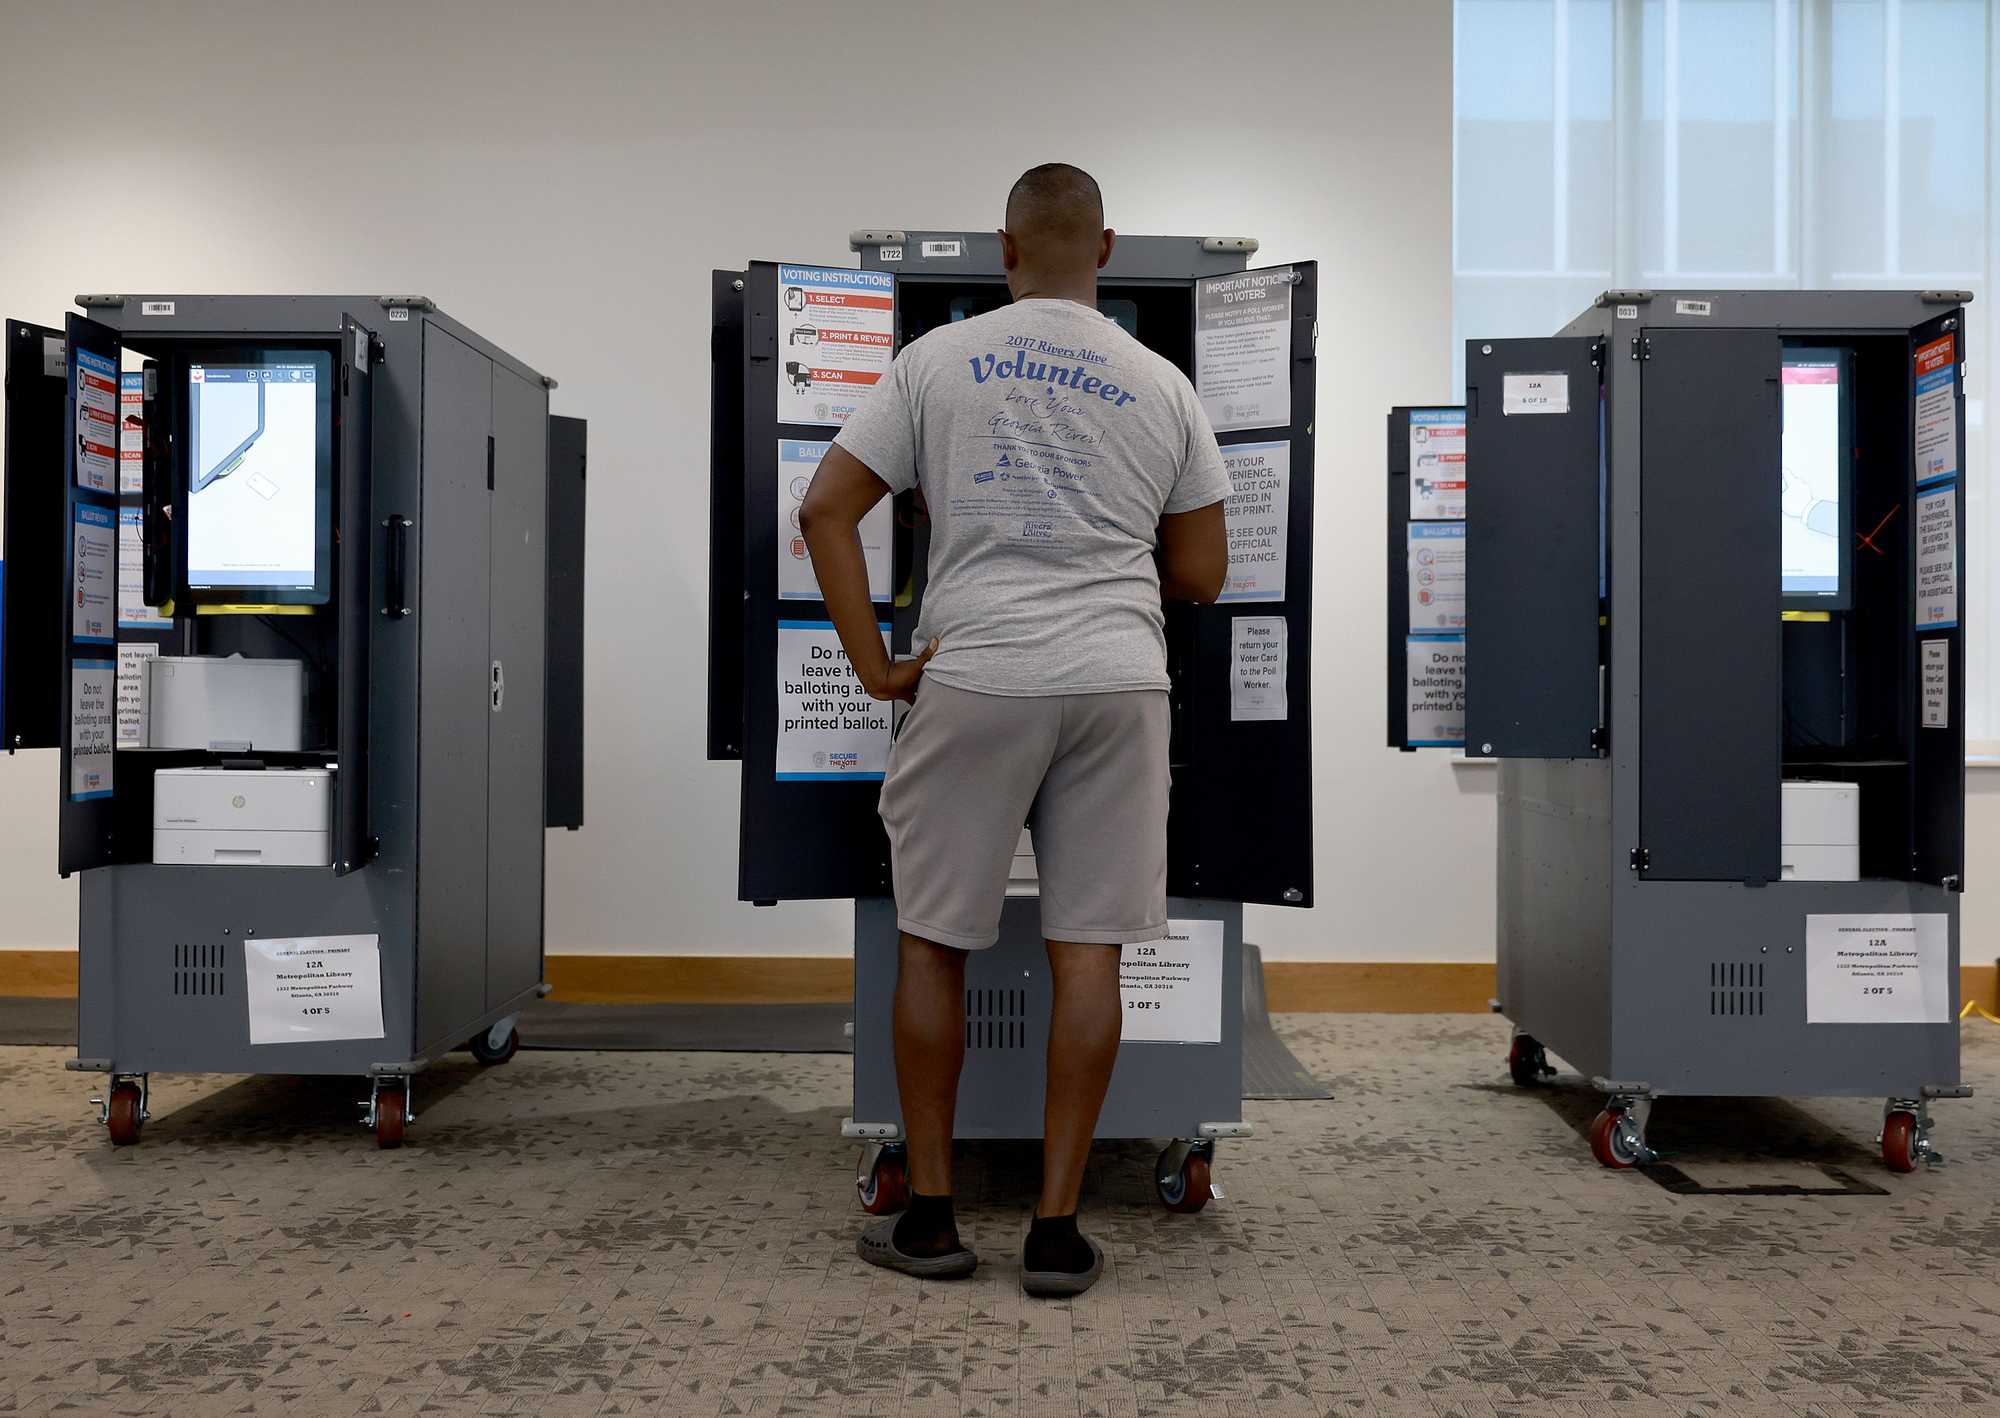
(580, 1234)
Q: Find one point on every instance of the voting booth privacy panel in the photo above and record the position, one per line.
(1697, 586)
(796, 350)
(278, 591)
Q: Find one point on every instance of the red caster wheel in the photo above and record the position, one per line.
(1901, 1144)
(1615, 1140)
(1528, 1061)
(887, 1189)
(391, 1115)
(483, 1050)
(123, 1115)
(1186, 1191)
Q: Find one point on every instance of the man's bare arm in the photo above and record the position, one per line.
(842, 492)
(1194, 554)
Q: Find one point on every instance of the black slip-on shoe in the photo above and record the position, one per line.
(1049, 1284)
(877, 1246)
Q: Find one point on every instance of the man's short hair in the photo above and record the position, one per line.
(1056, 210)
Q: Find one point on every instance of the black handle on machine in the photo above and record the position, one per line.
(396, 593)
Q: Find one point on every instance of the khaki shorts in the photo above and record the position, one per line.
(1087, 773)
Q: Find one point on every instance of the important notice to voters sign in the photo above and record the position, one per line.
(1242, 348)
(836, 336)
(828, 727)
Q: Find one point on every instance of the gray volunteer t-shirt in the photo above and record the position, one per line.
(1048, 443)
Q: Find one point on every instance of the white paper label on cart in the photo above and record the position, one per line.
(1880, 969)
(1534, 394)
(1936, 660)
(306, 989)
(1172, 988)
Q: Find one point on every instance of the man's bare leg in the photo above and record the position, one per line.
(1084, 1028)
(930, 1052)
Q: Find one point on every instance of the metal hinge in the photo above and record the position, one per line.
(1642, 348)
(1640, 859)
(1598, 738)
(1597, 355)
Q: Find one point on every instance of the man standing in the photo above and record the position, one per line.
(1072, 481)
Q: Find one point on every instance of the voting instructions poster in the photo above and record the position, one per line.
(1258, 515)
(1434, 706)
(307, 989)
(1880, 969)
(134, 719)
(1243, 348)
(1257, 668)
(1937, 558)
(836, 335)
(1172, 989)
(828, 727)
(94, 570)
(132, 432)
(93, 715)
(1437, 465)
(96, 422)
(1437, 576)
(797, 462)
(1937, 411)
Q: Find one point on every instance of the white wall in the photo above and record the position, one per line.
(563, 178)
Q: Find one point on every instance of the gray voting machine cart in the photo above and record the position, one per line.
(1713, 630)
(785, 341)
(292, 586)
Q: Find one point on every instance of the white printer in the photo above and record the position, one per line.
(269, 817)
(1821, 831)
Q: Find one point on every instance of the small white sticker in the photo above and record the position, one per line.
(156, 307)
(1937, 684)
(892, 253)
(1628, 312)
(1534, 394)
(398, 314)
(943, 248)
(1879, 969)
(1702, 308)
(55, 357)
(313, 988)
(360, 349)
(1171, 989)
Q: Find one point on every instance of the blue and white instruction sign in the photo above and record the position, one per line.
(797, 462)
(828, 727)
(1437, 576)
(836, 336)
(94, 570)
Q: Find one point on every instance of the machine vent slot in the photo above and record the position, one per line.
(1736, 989)
(996, 1019)
(198, 969)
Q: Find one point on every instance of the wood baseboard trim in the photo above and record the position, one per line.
(1293, 986)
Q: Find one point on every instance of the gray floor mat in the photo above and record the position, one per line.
(690, 1028)
(1270, 1070)
(43, 1023)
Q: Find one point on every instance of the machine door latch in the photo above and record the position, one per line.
(499, 685)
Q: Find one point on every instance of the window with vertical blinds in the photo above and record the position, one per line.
(1816, 144)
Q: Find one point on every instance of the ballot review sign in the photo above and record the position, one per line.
(828, 727)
